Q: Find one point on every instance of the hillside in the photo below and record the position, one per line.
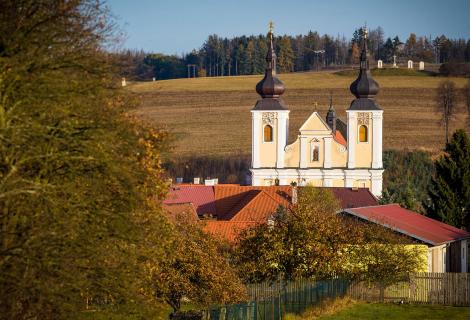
(211, 116)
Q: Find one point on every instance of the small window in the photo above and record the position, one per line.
(363, 133)
(268, 133)
(316, 153)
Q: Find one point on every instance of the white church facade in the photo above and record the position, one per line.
(327, 152)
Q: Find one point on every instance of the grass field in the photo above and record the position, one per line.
(364, 311)
(211, 116)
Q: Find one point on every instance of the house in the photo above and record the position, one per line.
(327, 152)
(447, 246)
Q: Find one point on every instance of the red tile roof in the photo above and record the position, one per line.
(410, 223)
(175, 209)
(244, 206)
(258, 209)
(227, 230)
(202, 197)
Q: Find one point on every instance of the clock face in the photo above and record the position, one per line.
(342, 149)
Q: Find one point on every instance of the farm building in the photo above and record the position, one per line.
(447, 246)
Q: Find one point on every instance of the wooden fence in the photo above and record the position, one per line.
(429, 288)
(274, 300)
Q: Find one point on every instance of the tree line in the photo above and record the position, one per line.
(244, 55)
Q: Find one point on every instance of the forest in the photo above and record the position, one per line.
(244, 55)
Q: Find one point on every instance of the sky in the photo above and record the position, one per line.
(178, 26)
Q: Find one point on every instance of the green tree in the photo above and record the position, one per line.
(406, 179)
(450, 188)
(78, 176)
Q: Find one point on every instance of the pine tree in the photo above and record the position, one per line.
(450, 188)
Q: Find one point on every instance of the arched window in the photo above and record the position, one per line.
(268, 133)
(363, 133)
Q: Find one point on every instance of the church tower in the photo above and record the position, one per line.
(270, 118)
(364, 122)
(327, 152)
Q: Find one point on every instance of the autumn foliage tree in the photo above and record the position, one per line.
(307, 240)
(196, 270)
(78, 177)
(312, 240)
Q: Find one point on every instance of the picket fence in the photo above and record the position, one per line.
(271, 301)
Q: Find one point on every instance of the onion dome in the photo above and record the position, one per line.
(270, 86)
(364, 86)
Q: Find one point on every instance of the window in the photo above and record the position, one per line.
(268, 133)
(316, 153)
(363, 133)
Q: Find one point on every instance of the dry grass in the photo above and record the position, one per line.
(325, 308)
(211, 116)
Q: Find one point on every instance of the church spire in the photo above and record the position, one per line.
(270, 86)
(364, 86)
(331, 115)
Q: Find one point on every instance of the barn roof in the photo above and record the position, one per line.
(410, 223)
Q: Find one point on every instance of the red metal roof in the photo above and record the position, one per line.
(353, 198)
(410, 223)
(201, 197)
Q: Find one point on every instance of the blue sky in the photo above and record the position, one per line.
(178, 26)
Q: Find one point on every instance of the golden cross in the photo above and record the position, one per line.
(366, 32)
(271, 29)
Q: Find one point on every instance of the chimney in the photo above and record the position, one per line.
(294, 193)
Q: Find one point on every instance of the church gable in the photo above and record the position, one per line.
(315, 123)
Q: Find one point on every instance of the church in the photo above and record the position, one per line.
(328, 152)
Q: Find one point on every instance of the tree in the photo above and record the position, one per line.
(411, 46)
(355, 53)
(306, 240)
(450, 188)
(311, 240)
(78, 175)
(285, 59)
(197, 270)
(384, 257)
(446, 99)
(406, 179)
